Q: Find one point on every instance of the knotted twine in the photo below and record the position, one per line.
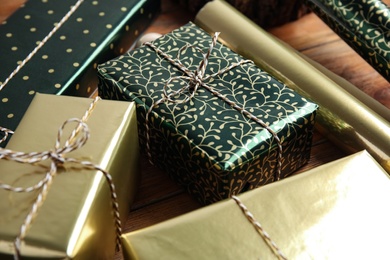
(256, 224)
(78, 138)
(197, 79)
(32, 53)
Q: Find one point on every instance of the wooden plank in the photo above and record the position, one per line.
(315, 39)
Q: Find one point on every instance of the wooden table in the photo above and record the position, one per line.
(160, 198)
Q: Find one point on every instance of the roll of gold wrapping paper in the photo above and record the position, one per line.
(352, 120)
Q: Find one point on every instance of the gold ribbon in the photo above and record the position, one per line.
(195, 80)
(256, 224)
(76, 140)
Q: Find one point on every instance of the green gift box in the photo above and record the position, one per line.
(363, 25)
(207, 143)
(76, 219)
(335, 211)
(66, 64)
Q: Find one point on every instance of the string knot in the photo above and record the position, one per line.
(196, 79)
(78, 138)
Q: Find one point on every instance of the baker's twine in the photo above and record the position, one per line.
(76, 140)
(32, 53)
(256, 224)
(195, 80)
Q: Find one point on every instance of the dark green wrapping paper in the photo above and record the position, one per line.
(204, 144)
(66, 64)
(363, 25)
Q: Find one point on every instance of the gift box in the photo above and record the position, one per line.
(347, 116)
(75, 219)
(334, 211)
(362, 25)
(232, 132)
(66, 64)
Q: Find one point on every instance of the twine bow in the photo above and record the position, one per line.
(256, 224)
(76, 140)
(197, 79)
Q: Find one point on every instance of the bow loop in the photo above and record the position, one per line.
(77, 139)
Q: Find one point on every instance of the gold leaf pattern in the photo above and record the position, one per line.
(204, 144)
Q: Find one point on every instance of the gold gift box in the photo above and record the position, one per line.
(335, 211)
(75, 220)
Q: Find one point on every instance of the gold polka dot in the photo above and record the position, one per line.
(45, 57)
(14, 48)
(95, 65)
(76, 64)
(86, 31)
(19, 62)
(31, 92)
(127, 28)
(4, 100)
(79, 19)
(50, 12)
(77, 86)
(25, 77)
(95, 2)
(69, 50)
(51, 71)
(55, 24)
(141, 10)
(9, 35)
(27, 17)
(37, 42)
(88, 89)
(121, 50)
(4, 22)
(108, 26)
(150, 15)
(111, 46)
(123, 9)
(10, 115)
(62, 37)
(93, 44)
(33, 29)
(58, 85)
(102, 14)
(44, 1)
(136, 32)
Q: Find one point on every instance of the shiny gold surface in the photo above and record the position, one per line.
(354, 122)
(75, 221)
(335, 211)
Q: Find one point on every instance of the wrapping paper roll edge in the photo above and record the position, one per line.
(343, 118)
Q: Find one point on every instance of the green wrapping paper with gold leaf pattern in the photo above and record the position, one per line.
(75, 220)
(97, 31)
(363, 25)
(205, 144)
(335, 211)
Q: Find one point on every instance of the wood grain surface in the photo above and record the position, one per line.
(160, 198)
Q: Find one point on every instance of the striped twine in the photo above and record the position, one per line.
(271, 244)
(197, 79)
(32, 53)
(78, 137)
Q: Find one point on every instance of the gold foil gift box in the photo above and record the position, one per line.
(75, 219)
(335, 211)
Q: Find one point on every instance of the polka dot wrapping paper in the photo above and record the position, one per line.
(363, 25)
(66, 65)
(205, 143)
